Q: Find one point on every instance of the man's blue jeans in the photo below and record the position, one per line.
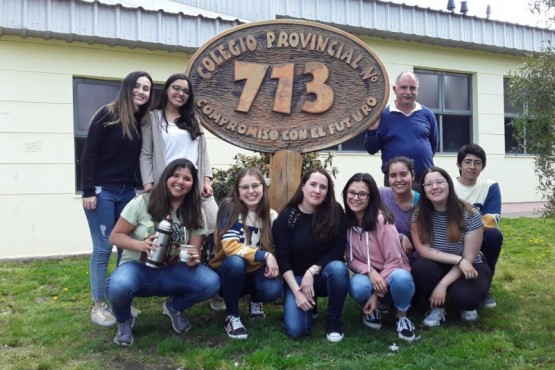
(187, 285)
(400, 285)
(236, 282)
(332, 282)
(110, 201)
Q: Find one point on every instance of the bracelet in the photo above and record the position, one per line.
(458, 263)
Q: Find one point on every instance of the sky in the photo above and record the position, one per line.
(514, 11)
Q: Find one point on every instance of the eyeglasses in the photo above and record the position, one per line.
(470, 162)
(362, 195)
(178, 88)
(254, 186)
(438, 182)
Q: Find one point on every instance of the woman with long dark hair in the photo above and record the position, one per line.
(309, 234)
(375, 255)
(244, 256)
(108, 164)
(447, 234)
(175, 198)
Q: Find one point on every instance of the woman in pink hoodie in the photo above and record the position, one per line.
(375, 255)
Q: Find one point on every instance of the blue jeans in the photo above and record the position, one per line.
(110, 201)
(400, 283)
(332, 282)
(236, 282)
(187, 285)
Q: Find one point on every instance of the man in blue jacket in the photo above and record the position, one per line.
(405, 128)
(485, 195)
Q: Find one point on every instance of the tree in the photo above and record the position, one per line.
(532, 87)
(545, 9)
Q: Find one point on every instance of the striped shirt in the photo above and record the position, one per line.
(440, 240)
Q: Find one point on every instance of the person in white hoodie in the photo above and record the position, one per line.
(375, 255)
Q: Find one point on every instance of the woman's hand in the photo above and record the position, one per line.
(379, 283)
(371, 304)
(207, 190)
(307, 286)
(302, 302)
(89, 203)
(437, 299)
(147, 245)
(271, 270)
(468, 269)
(408, 248)
(194, 257)
(148, 187)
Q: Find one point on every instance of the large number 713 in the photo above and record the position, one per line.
(253, 74)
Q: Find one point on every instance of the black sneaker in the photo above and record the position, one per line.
(256, 311)
(405, 328)
(124, 335)
(179, 322)
(373, 320)
(235, 328)
(488, 301)
(334, 331)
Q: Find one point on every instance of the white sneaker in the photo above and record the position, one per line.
(103, 316)
(434, 317)
(469, 315)
(135, 311)
(217, 303)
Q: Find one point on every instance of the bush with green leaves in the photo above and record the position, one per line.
(224, 178)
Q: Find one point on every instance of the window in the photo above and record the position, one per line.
(88, 96)
(448, 95)
(511, 144)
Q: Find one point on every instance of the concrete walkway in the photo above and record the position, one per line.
(513, 210)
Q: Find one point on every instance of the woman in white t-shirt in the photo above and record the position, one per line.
(175, 132)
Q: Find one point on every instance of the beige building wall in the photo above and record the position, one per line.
(39, 210)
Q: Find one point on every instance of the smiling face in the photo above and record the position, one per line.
(400, 178)
(314, 191)
(471, 167)
(436, 189)
(251, 191)
(406, 91)
(180, 183)
(178, 93)
(358, 198)
(141, 92)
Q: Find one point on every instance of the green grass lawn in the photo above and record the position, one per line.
(45, 308)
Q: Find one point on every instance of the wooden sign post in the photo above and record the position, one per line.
(287, 87)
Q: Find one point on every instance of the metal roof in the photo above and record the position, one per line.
(133, 24)
(184, 25)
(397, 21)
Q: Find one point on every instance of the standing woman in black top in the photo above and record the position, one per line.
(108, 165)
(310, 238)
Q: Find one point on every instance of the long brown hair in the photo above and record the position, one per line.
(231, 208)
(159, 199)
(455, 211)
(122, 108)
(328, 214)
(187, 119)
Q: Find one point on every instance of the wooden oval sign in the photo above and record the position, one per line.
(287, 85)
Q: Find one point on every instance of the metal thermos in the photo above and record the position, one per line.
(162, 242)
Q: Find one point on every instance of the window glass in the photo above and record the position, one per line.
(455, 133)
(428, 91)
(456, 92)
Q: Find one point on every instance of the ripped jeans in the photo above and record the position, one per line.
(110, 201)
